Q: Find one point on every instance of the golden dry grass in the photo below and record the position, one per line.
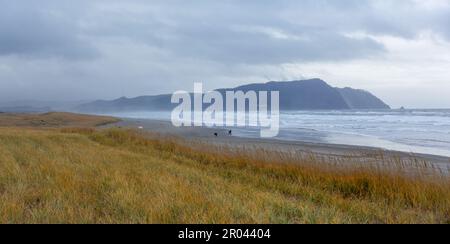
(53, 119)
(120, 176)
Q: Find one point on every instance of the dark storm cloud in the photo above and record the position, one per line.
(269, 32)
(37, 29)
(253, 32)
(236, 32)
(260, 45)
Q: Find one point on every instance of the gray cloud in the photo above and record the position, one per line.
(277, 32)
(109, 48)
(38, 30)
(260, 46)
(245, 32)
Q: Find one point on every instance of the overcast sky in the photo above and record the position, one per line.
(92, 49)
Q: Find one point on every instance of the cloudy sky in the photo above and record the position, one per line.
(89, 49)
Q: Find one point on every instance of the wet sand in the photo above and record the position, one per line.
(365, 154)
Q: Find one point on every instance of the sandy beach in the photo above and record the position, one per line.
(203, 134)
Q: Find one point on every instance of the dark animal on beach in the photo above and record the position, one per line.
(216, 135)
(230, 132)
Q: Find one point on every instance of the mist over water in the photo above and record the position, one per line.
(419, 131)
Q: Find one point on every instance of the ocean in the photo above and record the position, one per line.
(414, 130)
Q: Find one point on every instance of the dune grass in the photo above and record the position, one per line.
(121, 176)
(53, 119)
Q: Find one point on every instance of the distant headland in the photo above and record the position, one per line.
(313, 94)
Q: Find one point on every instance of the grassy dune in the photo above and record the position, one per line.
(118, 176)
(54, 119)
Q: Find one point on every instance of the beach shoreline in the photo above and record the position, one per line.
(207, 135)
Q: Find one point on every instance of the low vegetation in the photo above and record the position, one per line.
(71, 175)
(52, 120)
